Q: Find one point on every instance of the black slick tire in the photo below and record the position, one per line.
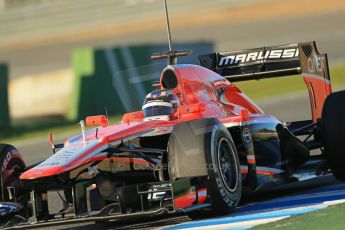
(224, 183)
(333, 133)
(11, 163)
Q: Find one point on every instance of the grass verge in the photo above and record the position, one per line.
(256, 90)
(327, 218)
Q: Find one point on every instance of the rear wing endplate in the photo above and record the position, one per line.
(276, 61)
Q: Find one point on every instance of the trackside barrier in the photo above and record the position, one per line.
(4, 108)
(118, 78)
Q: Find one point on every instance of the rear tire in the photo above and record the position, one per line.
(333, 133)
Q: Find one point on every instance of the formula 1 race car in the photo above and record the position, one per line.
(197, 144)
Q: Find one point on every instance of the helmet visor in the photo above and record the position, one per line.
(157, 111)
(157, 108)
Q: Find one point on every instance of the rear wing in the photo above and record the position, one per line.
(276, 61)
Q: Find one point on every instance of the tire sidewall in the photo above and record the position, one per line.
(332, 129)
(10, 159)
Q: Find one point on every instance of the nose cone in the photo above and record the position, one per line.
(67, 158)
(36, 173)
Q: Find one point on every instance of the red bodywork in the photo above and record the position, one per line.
(202, 93)
(199, 90)
(318, 89)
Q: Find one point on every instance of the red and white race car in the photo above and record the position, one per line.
(197, 144)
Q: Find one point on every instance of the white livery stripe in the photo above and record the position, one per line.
(240, 225)
(260, 168)
(157, 103)
(261, 120)
(250, 157)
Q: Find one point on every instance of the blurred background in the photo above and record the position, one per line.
(61, 60)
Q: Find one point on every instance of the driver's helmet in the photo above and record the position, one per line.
(159, 105)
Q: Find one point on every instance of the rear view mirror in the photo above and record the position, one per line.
(97, 120)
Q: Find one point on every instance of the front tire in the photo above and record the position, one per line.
(11, 164)
(225, 182)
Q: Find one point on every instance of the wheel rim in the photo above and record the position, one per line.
(227, 165)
